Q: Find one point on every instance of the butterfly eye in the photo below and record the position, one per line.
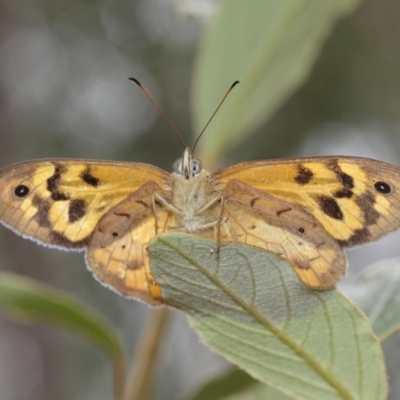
(197, 166)
(178, 166)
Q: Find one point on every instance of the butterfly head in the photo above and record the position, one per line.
(187, 166)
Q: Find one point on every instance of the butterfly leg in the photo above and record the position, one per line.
(230, 228)
(207, 206)
(168, 205)
(179, 212)
(218, 221)
(153, 205)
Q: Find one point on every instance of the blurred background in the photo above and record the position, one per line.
(64, 92)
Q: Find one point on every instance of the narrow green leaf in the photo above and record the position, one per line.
(26, 299)
(377, 291)
(248, 305)
(270, 46)
(236, 385)
(224, 385)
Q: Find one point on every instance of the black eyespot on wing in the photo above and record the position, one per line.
(330, 207)
(382, 187)
(301, 230)
(115, 234)
(21, 191)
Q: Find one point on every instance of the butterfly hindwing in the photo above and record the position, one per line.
(259, 219)
(117, 251)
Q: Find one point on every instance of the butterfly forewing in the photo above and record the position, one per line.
(357, 200)
(60, 202)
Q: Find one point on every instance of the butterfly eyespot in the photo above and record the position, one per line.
(382, 187)
(114, 234)
(21, 191)
(301, 230)
(197, 166)
(178, 166)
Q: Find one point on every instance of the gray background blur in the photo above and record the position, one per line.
(64, 92)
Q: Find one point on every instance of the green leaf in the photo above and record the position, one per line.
(224, 385)
(377, 291)
(26, 299)
(236, 385)
(268, 45)
(248, 305)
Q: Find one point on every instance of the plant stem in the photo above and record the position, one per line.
(119, 374)
(138, 386)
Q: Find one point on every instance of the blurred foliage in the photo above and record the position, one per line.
(270, 46)
(64, 68)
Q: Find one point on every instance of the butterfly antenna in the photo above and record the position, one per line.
(212, 116)
(159, 110)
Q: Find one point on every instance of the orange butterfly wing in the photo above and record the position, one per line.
(332, 202)
(61, 202)
(305, 210)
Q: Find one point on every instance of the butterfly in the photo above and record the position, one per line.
(306, 210)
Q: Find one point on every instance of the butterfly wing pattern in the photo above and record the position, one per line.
(60, 203)
(306, 210)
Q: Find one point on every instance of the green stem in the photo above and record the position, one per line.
(139, 383)
(119, 373)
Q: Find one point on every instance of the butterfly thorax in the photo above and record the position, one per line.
(191, 194)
